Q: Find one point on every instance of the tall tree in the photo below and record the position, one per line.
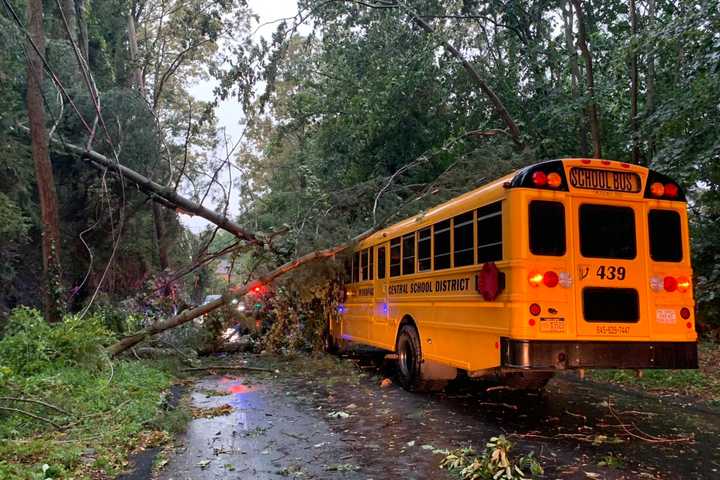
(592, 107)
(634, 84)
(43, 167)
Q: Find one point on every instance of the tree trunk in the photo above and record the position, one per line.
(592, 109)
(83, 41)
(68, 11)
(137, 77)
(166, 196)
(634, 88)
(650, 81)
(43, 168)
(160, 236)
(574, 76)
(233, 292)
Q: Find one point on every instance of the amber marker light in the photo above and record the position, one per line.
(683, 284)
(554, 180)
(657, 189)
(535, 279)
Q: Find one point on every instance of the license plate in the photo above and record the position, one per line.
(666, 316)
(552, 324)
(594, 179)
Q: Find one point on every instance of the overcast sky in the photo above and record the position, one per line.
(229, 112)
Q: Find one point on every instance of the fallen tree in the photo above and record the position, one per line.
(231, 293)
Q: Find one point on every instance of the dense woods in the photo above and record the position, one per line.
(355, 113)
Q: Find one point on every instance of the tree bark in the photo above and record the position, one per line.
(68, 10)
(574, 76)
(497, 104)
(137, 78)
(650, 81)
(83, 40)
(634, 88)
(592, 109)
(43, 168)
(160, 236)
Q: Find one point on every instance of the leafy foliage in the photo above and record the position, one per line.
(494, 463)
(65, 365)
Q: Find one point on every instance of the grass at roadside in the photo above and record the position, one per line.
(107, 409)
(703, 383)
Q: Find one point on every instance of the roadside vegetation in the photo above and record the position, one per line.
(702, 384)
(66, 410)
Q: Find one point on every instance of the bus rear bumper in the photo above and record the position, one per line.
(561, 355)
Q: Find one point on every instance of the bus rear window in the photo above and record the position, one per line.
(547, 228)
(607, 231)
(665, 236)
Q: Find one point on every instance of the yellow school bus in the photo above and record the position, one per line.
(565, 264)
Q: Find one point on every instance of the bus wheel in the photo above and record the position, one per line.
(410, 363)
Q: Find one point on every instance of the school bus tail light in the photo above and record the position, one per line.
(550, 279)
(656, 283)
(683, 284)
(535, 279)
(670, 283)
(565, 279)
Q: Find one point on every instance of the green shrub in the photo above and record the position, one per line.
(31, 345)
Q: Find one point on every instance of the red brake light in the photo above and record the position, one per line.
(671, 190)
(539, 178)
(670, 284)
(685, 313)
(535, 309)
(550, 279)
(657, 189)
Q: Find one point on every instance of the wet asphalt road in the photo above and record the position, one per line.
(287, 426)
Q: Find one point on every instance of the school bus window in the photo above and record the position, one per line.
(381, 262)
(395, 257)
(347, 274)
(371, 264)
(442, 245)
(489, 233)
(607, 231)
(463, 239)
(408, 254)
(424, 250)
(356, 267)
(665, 236)
(364, 265)
(547, 228)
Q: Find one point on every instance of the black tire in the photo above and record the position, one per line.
(410, 363)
